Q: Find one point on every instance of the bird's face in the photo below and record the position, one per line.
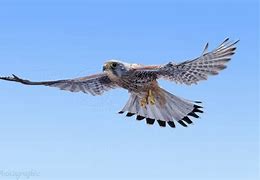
(117, 68)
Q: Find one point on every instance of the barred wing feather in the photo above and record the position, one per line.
(96, 84)
(209, 63)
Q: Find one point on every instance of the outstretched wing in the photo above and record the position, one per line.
(96, 84)
(192, 71)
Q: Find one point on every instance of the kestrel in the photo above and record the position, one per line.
(147, 99)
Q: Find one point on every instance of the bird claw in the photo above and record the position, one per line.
(143, 102)
(149, 99)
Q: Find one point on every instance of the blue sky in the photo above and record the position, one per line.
(64, 135)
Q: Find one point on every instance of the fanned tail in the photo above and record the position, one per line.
(173, 109)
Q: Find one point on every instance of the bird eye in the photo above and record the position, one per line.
(114, 65)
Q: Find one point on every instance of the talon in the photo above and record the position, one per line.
(143, 102)
(151, 98)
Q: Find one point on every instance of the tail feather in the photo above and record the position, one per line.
(174, 109)
(182, 105)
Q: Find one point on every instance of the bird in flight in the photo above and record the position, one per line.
(147, 99)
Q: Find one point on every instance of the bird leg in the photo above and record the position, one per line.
(149, 99)
(143, 102)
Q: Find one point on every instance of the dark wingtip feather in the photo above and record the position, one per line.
(139, 118)
(129, 114)
(3, 78)
(121, 112)
(193, 114)
(171, 124)
(205, 50)
(199, 102)
(161, 123)
(232, 49)
(236, 41)
(226, 40)
(221, 66)
(8, 78)
(187, 120)
(197, 110)
(182, 123)
(16, 77)
(150, 121)
(197, 106)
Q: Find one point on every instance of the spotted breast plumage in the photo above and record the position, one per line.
(147, 99)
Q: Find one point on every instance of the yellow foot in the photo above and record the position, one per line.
(149, 99)
(143, 102)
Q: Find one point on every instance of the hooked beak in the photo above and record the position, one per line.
(105, 67)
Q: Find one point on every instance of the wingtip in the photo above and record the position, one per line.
(237, 41)
(7, 78)
(205, 50)
(227, 39)
(229, 43)
(198, 102)
(15, 77)
(224, 42)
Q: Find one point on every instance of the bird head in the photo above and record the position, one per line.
(115, 67)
